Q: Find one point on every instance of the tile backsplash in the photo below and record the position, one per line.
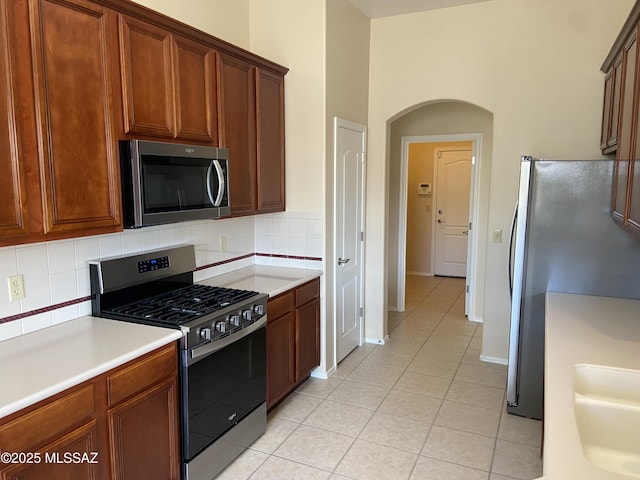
(56, 274)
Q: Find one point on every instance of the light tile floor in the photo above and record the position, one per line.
(423, 406)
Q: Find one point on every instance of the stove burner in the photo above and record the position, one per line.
(182, 305)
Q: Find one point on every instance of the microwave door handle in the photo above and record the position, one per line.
(209, 193)
(221, 183)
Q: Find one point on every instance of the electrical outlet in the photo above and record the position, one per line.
(222, 241)
(16, 287)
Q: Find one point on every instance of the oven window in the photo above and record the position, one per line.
(172, 183)
(222, 389)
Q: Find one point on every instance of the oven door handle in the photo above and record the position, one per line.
(199, 353)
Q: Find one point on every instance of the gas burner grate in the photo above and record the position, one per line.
(182, 305)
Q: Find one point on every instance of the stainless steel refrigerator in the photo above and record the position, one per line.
(563, 239)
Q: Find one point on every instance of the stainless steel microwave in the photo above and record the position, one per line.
(170, 182)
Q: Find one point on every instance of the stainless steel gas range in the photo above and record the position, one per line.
(223, 348)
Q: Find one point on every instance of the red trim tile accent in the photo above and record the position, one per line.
(38, 311)
(68, 303)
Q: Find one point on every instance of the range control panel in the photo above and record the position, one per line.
(153, 264)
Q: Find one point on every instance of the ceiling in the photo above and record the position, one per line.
(389, 8)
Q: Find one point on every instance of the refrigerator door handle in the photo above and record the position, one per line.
(511, 245)
(518, 277)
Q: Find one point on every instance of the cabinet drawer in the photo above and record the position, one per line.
(307, 292)
(278, 306)
(142, 374)
(50, 421)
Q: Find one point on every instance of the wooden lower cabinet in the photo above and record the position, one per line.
(281, 373)
(82, 433)
(293, 339)
(60, 459)
(307, 339)
(138, 431)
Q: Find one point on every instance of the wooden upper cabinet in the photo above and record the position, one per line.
(622, 67)
(270, 141)
(73, 44)
(611, 107)
(195, 87)
(625, 136)
(168, 84)
(147, 83)
(12, 180)
(78, 76)
(236, 118)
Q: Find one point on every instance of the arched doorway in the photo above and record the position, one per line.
(445, 120)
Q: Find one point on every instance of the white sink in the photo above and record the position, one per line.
(607, 409)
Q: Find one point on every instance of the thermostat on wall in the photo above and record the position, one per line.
(424, 189)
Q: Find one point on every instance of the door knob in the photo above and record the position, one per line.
(465, 232)
(441, 221)
(342, 261)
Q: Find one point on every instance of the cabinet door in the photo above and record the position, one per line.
(73, 41)
(623, 155)
(13, 194)
(280, 357)
(236, 121)
(82, 441)
(606, 109)
(144, 434)
(270, 141)
(614, 123)
(147, 79)
(195, 79)
(307, 338)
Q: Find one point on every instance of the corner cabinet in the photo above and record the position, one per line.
(293, 339)
(60, 144)
(621, 121)
(122, 425)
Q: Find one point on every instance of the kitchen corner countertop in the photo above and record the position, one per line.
(581, 329)
(45, 362)
(264, 279)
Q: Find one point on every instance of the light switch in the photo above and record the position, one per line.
(497, 236)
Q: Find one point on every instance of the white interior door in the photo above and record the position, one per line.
(349, 205)
(453, 186)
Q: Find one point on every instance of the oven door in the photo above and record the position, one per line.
(221, 389)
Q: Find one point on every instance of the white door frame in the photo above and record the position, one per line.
(472, 267)
(332, 262)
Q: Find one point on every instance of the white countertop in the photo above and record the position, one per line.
(264, 279)
(581, 329)
(43, 363)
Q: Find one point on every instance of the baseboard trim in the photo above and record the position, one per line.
(498, 360)
(377, 341)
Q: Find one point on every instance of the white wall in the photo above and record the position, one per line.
(227, 20)
(291, 33)
(534, 64)
(347, 95)
(325, 45)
